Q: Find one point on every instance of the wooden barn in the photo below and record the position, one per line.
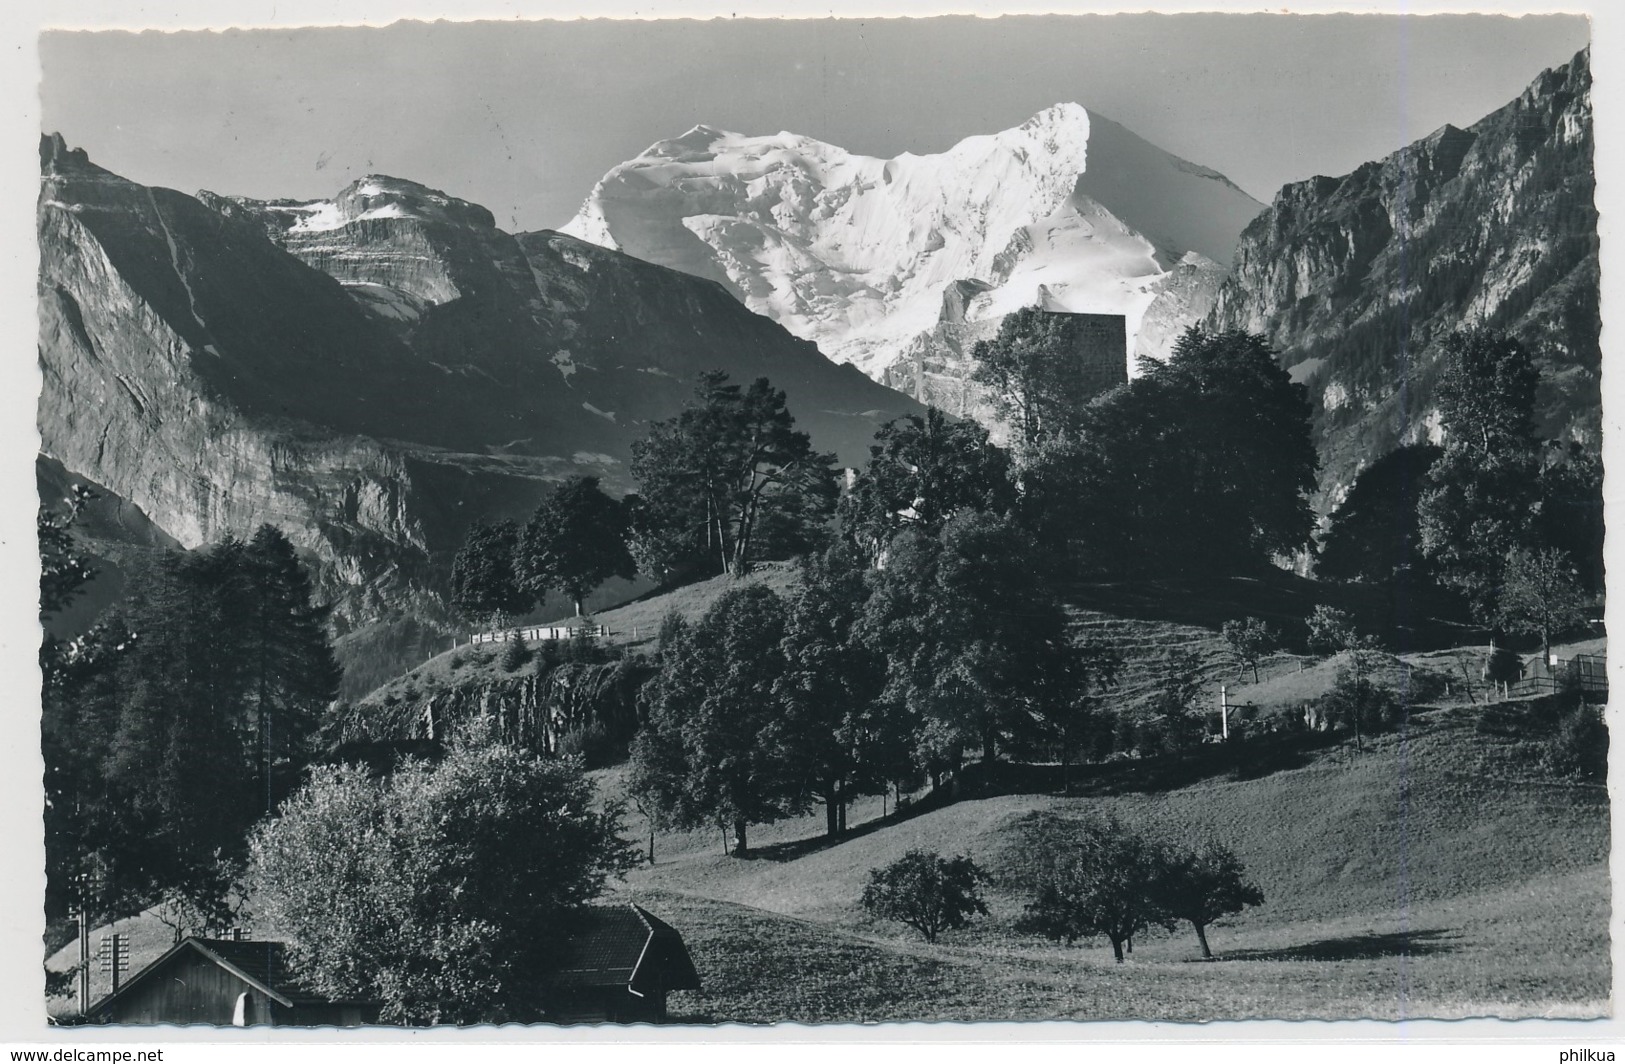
(617, 967)
(225, 983)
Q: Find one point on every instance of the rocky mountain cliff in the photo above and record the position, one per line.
(1355, 279)
(899, 265)
(371, 373)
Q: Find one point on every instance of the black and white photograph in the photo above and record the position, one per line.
(829, 520)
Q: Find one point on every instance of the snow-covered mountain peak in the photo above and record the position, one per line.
(370, 198)
(855, 252)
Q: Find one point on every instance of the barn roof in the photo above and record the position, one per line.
(625, 945)
(262, 965)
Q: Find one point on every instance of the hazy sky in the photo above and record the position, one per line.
(524, 117)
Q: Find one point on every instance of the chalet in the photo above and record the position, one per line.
(226, 983)
(618, 966)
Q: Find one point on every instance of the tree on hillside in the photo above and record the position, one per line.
(1540, 593)
(1486, 393)
(831, 684)
(1480, 496)
(1204, 464)
(485, 583)
(1173, 720)
(716, 745)
(183, 718)
(1031, 368)
(729, 480)
(1202, 885)
(921, 469)
(1375, 535)
(1088, 878)
(1570, 517)
(927, 892)
(974, 636)
(575, 540)
(1330, 630)
(1249, 640)
(1357, 701)
(293, 675)
(431, 889)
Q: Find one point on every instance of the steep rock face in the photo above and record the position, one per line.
(1067, 211)
(1356, 279)
(598, 333)
(443, 372)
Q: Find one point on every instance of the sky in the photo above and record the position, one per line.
(524, 117)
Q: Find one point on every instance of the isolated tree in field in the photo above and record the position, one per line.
(1031, 368)
(485, 584)
(927, 892)
(1204, 463)
(1375, 535)
(1203, 885)
(1540, 593)
(728, 471)
(921, 470)
(1480, 496)
(1249, 640)
(575, 540)
(717, 744)
(434, 889)
(1087, 878)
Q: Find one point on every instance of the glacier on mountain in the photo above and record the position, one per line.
(1068, 211)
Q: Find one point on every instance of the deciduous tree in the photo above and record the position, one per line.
(575, 540)
(1090, 877)
(921, 470)
(436, 890)
(927, 892)
(485, 582)
(1540, 593)
(1202, 885)
(1250, 640)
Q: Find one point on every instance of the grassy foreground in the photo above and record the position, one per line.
(1438, 874)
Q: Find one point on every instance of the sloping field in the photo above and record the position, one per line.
(1536, 950)
(1436, 874)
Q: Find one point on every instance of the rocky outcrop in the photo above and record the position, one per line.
(536, 707)
(1356, 279)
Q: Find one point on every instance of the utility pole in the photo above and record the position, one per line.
(1224, 711)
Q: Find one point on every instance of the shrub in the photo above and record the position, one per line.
(591, 742)
(1579, 746)
(927, 891)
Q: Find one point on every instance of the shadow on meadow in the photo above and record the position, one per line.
(1355, 947)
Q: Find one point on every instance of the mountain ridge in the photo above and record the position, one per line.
(1357, 279)
(419, 372)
